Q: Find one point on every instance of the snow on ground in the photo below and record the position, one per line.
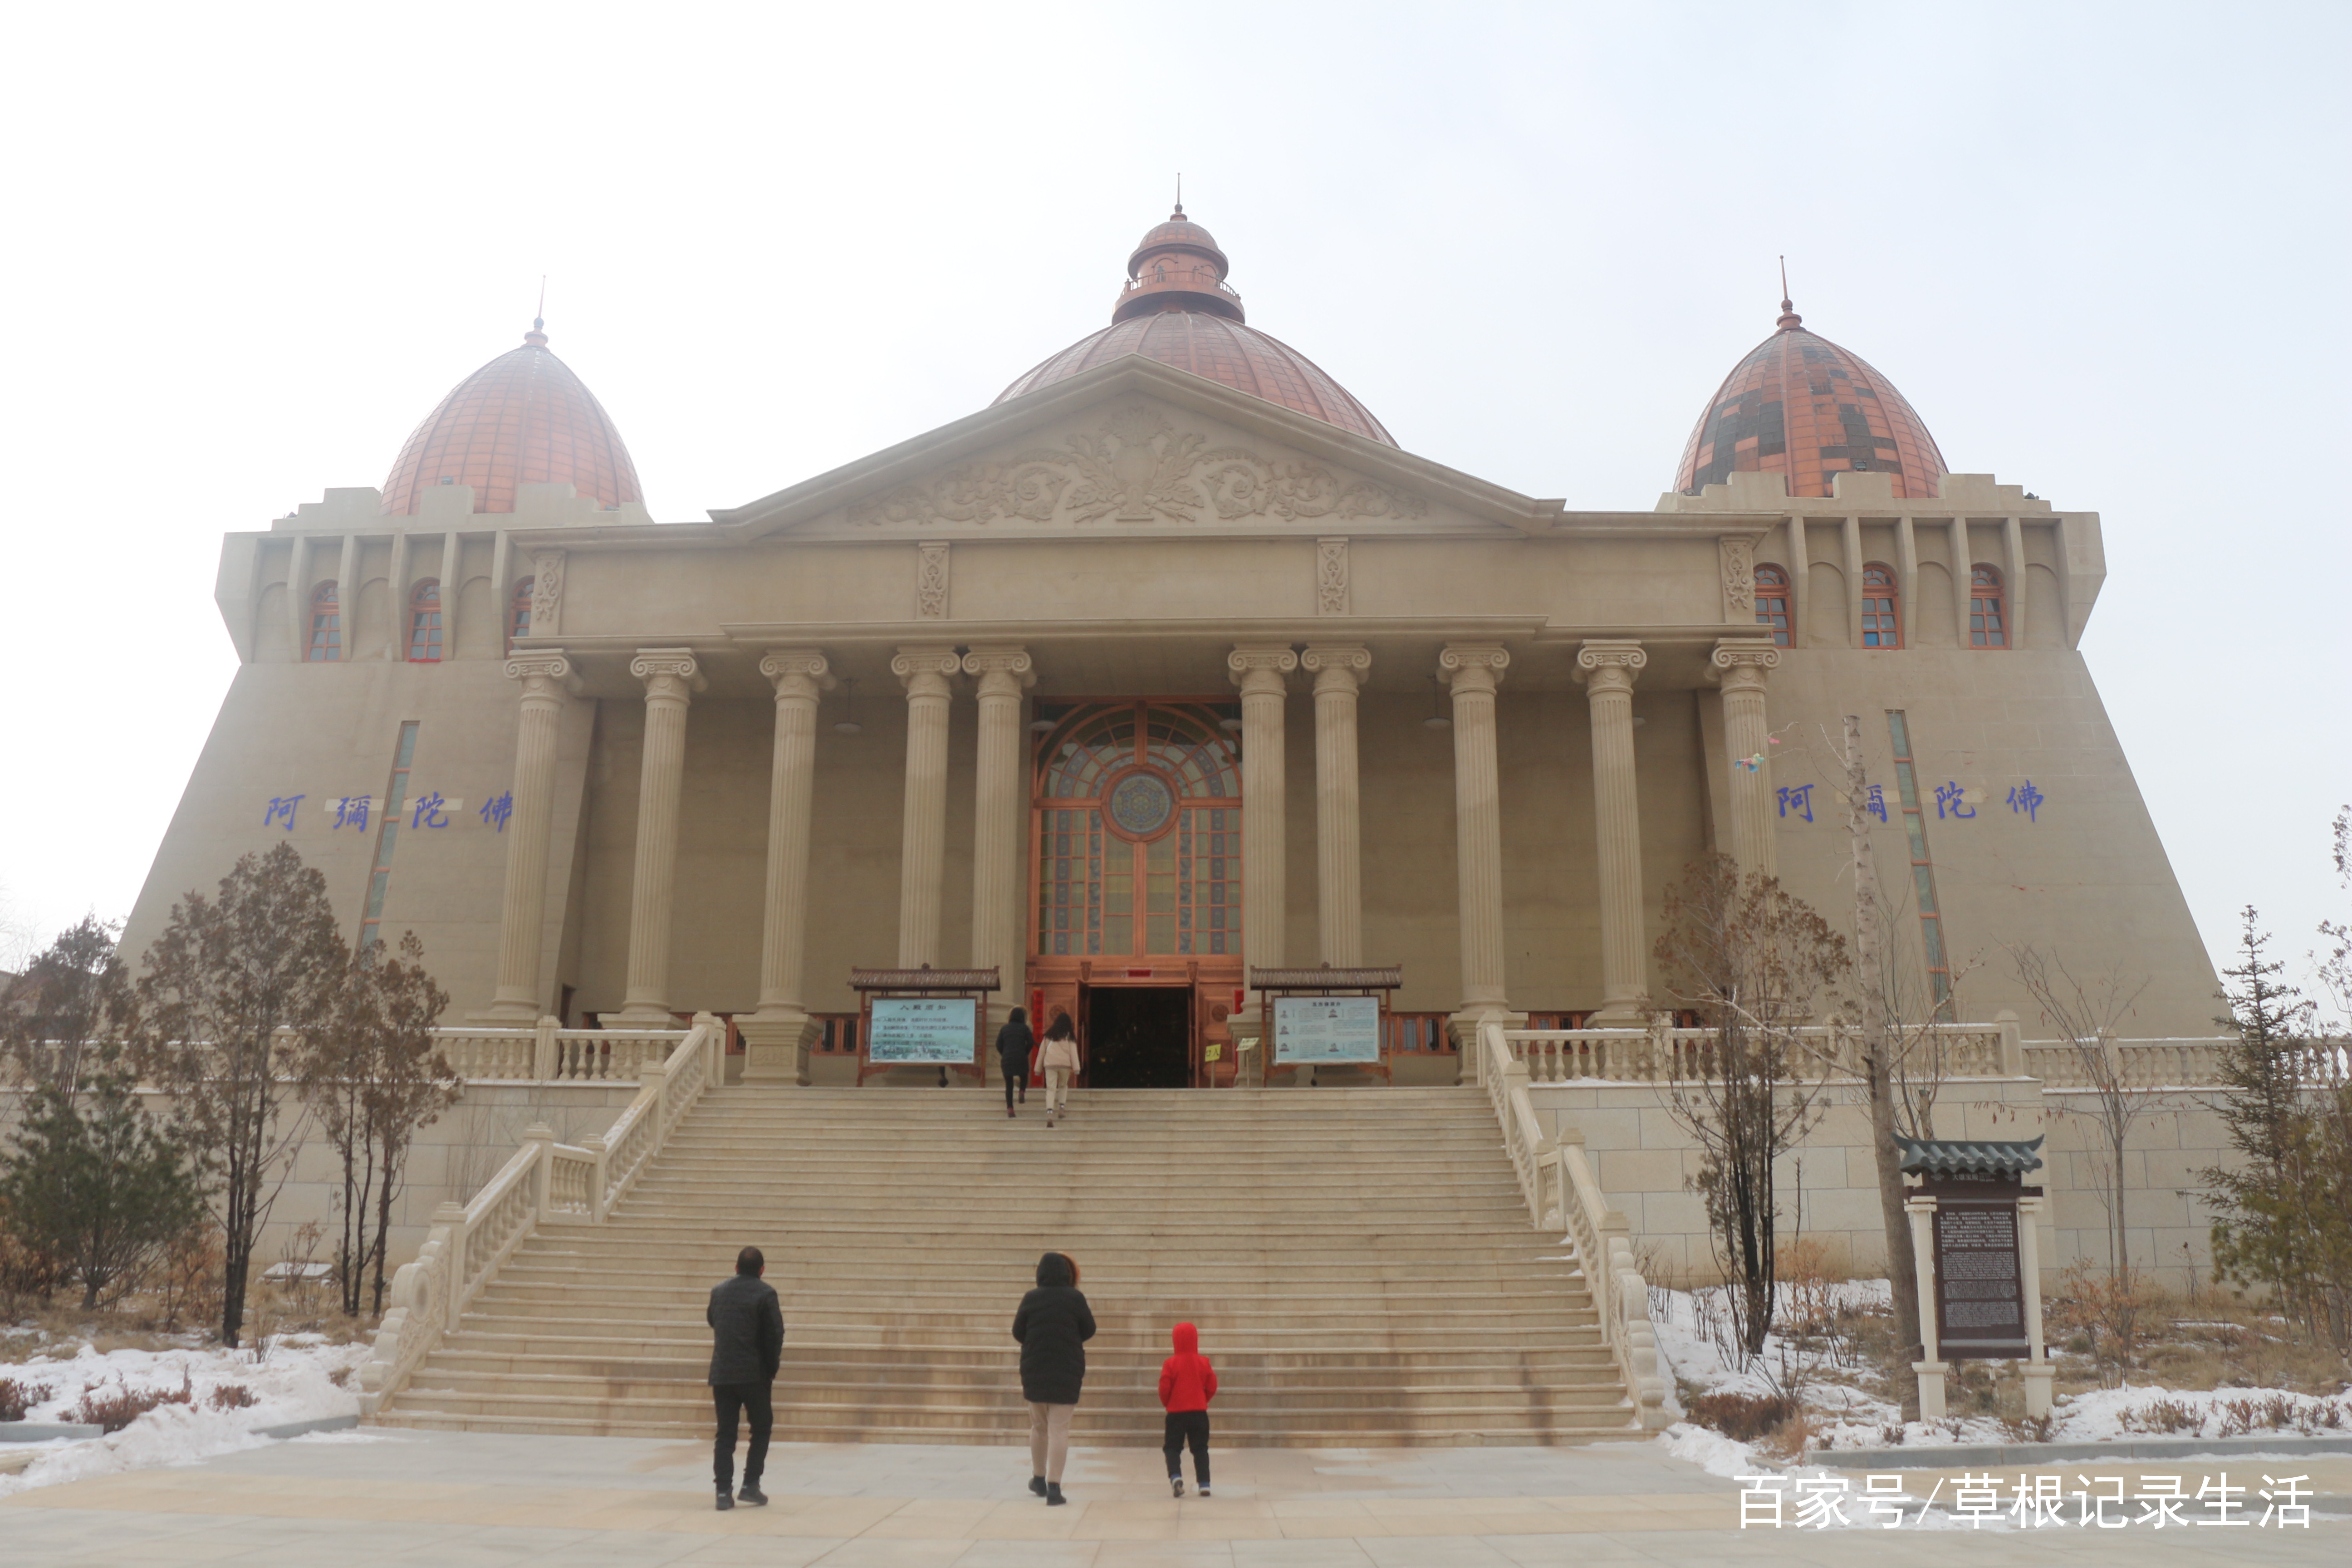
(1849, 1410)
(292, 1379)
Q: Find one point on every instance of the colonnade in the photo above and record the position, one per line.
(778, 1034)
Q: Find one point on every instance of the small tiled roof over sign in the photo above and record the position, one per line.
(925, 979)
(1961, 1157)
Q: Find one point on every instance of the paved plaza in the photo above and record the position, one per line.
(463, 1499)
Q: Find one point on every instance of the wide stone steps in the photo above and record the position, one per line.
(1360, 1262)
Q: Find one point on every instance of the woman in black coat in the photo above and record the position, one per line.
(1052, 1325)
(1013, 1044)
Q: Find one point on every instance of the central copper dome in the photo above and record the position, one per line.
(1177, 308)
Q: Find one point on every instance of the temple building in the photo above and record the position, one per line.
(1171, 665)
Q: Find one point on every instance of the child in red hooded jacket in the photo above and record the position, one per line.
(1187, 1383)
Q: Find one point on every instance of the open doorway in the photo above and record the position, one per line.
(1138, 1036)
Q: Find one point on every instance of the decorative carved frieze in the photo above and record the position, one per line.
(1135, 467)
(1331, 577)
(547, 593)
(931, 581)
(1737, 555)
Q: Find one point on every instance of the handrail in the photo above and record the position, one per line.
(549, 1053)
(1557, 1184)
(543, 1182)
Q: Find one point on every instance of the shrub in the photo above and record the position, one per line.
(2164, 1415)
(112, 1410)
(1742, 1417)
(18, 1397)
(232, 1396)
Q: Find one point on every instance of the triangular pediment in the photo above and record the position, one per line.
(1137, 446)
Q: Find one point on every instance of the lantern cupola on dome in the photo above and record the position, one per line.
(1177, 308)
(1801, 407)
(522, 420)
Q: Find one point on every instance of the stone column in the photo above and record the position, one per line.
(997, 803)
(1339, 809)
(1258, 669)
(1472, 672)
(671, 678)
(776, 1037)
(547, 684)
(1608, 670)
(923, 834)
(1740, 667)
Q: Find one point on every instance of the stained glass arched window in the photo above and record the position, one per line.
(424, 623)
(519, 611)
(1882, 616)
(1987, 611)
(1139, 832)
(326, 645)
(1773, 603)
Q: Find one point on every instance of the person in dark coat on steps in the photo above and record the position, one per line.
(747, 1345)
(1013, 1044)
(1052, 1325)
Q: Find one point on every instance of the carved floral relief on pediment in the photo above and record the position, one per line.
(1136, 466)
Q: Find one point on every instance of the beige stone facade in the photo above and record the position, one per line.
(1297, 697)
(1138, 533)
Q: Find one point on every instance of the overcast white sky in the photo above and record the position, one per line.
(2102, 248)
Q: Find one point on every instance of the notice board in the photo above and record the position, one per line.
(1979, 1285)
(921, 1031)
(1310, 1031)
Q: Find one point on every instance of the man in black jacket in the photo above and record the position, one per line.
(747, 1343)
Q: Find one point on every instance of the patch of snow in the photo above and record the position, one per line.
(293, 1379)
(1709, 1449)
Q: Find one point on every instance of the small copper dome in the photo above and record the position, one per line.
(1177, 308)
(521, 419)
(1802, 407)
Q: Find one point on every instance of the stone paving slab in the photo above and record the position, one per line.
(407, 1499)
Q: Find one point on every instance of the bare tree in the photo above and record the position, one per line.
(2085, 1014)
(225, 976)
(1757, 965)
(372, 1079)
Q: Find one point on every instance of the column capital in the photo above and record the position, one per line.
(798, 671)
(1742, 665)
(1473, 667)
(667, 671)
(1609, 665)
(1260, 666)
(543, 669)
(1002, 669)
(924, 671)
(1337, 667)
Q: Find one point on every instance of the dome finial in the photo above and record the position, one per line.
(537, 337)
(1790, 320)
(1179, 212)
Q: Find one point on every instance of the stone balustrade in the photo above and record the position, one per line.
(1662, 1055)
(1562, 1193)
(553, 1054)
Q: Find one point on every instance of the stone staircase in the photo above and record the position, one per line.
(1358, 1261)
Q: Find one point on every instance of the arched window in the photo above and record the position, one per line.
(519, 611)
(424, 623)
(1881, 619)
(1987, 611)
(326, 627)
(1773, 603)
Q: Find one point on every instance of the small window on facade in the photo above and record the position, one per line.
(424, 623)
(326, 627)
(519, 611)
(1988, 616)
(1882, 622)
(1773, 603)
